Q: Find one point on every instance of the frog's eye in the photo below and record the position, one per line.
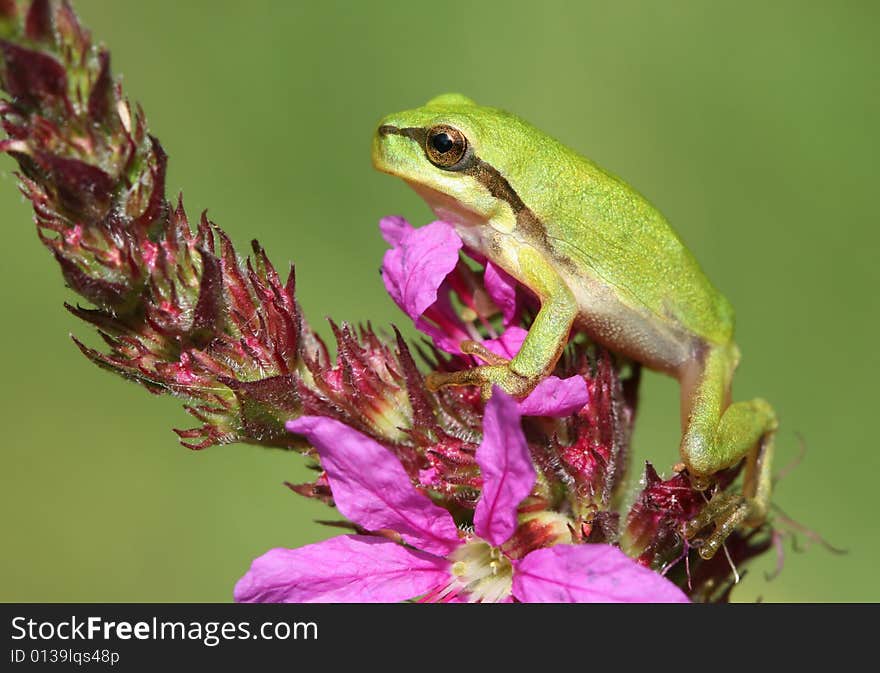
(445, 146)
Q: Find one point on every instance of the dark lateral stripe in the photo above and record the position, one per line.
(416, 133)
(526, 221)
(486, 174)
(496, 183)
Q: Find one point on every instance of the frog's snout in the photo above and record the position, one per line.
(380, 160)
(384, 154)
(398, 147)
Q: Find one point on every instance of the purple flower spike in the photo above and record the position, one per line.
(506, 466)
(365, 477)
(371, 488)
(589, 573)
(556, 397)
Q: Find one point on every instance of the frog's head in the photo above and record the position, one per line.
(455, 154)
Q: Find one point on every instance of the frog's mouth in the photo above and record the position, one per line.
(447, 208)
(472, 227)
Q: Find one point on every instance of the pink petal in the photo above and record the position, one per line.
(344, 569)
(506, 467)
(589, 573)
(371, 488)
(417, 265)
(556, 397)
(509, 343)
(429, 477)
(502, 289)
(394, 228)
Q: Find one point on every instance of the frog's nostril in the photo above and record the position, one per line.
(387, 129)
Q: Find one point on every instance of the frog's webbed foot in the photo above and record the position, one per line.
(718, 437)
(496, 373)
(726, 511)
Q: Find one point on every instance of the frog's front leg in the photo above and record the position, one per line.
(718, 436)
(542, 347)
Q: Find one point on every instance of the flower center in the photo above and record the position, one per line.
(481, 571)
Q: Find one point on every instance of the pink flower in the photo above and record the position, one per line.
(423, 269)
(417, 549)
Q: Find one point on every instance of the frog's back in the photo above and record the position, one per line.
(598, 224)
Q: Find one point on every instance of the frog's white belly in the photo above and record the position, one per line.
(630, 331)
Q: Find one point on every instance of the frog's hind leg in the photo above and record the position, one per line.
(717, 436)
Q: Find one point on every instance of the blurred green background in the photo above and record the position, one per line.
(753, 126)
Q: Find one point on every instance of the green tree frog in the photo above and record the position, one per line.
(600, 259)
